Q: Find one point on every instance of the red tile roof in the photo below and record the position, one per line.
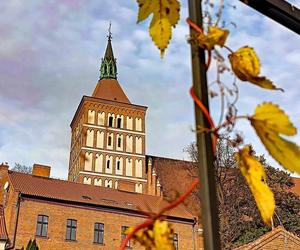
(176, 184)
(67, 191)
(270, 236)
(110, 89)
(3, 232)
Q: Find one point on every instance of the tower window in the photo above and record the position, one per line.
(119, 142)
(118, 165)
(119, 121)
(108, 164)
(109, 141)
(110, 121)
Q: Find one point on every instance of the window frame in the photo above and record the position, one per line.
(99, 232)
(110, 121)
(119, 122)
(109, 140)
(72, 228)
(44, 225)
(119, 143)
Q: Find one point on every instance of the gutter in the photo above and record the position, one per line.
(12, 246)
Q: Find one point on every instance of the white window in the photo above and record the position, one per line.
(108, 183)
(88, 161)
(97, 182)
(119, 121)
(108, 164)
(119, 165)
(138, 145)
(90, 138)
(87, 180)
(110, 140)
(129, 140)
(116, 184)
(119, 142)
(101, 118)
(139, 188)
(98, 163)
(111, 120)
(100, 139)
(138, 168)
(129, 122)
(91, 116)
(128, 167)
(138, 124)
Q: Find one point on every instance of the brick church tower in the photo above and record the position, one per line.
(108, 135)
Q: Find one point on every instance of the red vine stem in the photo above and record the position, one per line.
(151, 220)
(207, 116)
(200, 31)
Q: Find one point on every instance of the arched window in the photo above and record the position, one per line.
(118, 165)
(119, 142)
(108, 164)
(109, 141)
(110, 121)
(119, 122)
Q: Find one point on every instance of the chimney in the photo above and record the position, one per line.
(41, 170)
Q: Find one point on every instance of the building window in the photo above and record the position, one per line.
(110, 121)
(108, 164)
(71, 229)
(119, 142)
(99, 233)
(109, 141)
(175, 241)
(42, 225)
(119, 122)
(118, 165)
(123, 235)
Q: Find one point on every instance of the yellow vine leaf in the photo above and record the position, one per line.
(158, 237)
(215, 36)
(269, 122)
(165, 15)
(246, 66)
(255, 176)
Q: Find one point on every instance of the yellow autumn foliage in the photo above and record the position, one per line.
(255, 176)
(215, 36)
(158, 237)
(246, 66)
(165, 15)
(269, 122)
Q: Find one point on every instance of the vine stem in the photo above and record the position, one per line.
(200, 31)
(207, 116)
(151, 220)
(231, 121)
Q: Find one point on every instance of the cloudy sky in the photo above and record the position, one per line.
(50, 55)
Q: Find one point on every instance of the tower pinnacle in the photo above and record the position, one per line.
(108, 69)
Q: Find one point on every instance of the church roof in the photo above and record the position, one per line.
(280, 236)
(100, 197)
(110, 89)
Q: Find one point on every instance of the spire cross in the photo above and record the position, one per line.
(109, 31)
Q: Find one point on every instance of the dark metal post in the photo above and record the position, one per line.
(207, 188)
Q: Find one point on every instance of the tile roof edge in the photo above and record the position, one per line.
(108, 207)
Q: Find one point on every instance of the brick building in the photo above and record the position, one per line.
(111, 181)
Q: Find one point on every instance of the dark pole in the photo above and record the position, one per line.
(207, 187)
(280, 11)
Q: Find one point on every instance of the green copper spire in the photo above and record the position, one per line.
(108, 69)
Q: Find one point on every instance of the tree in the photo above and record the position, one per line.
(240, 221)
(22, 168)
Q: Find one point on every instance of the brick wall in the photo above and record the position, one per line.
(86, 217)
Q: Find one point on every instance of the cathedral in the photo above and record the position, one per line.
(111, 184)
